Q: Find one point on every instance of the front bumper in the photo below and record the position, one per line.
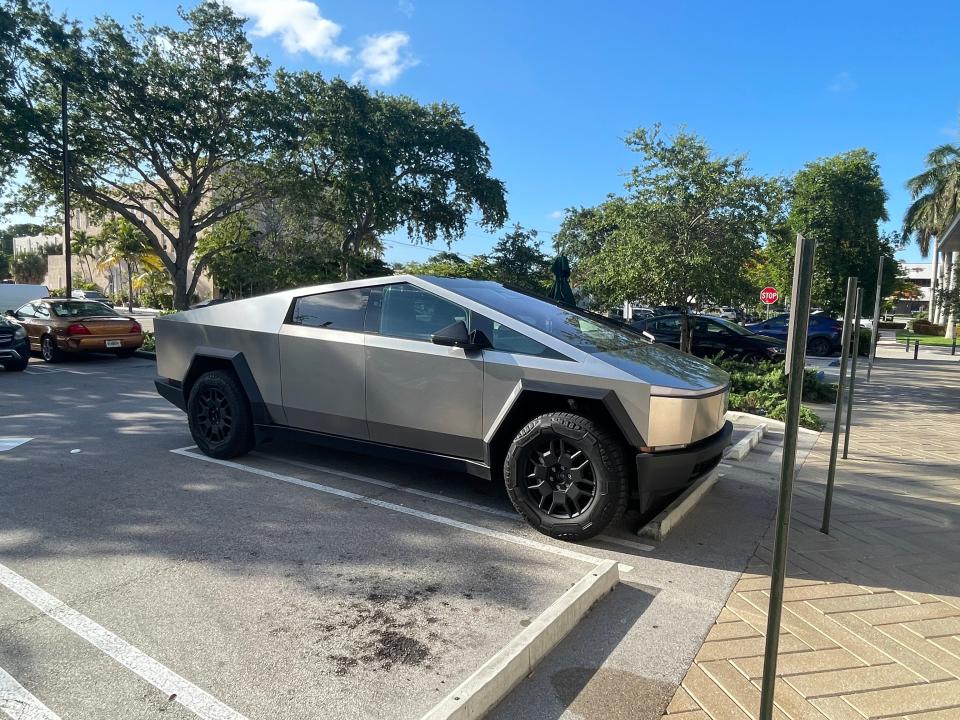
(20, 350)
(171, 391)
(672, 471)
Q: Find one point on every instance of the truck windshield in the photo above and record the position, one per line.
(579, 329)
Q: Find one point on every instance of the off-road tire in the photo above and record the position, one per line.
(219, 415)
(606, 457)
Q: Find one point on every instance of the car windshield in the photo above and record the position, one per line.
(732, 326)
(80, 308)
(583, 331)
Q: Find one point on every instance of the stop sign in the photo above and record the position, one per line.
(769, 295)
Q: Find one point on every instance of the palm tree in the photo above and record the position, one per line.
(84, 247)
(125, 245)
(936, 197)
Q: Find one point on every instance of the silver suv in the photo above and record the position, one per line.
(577, 414)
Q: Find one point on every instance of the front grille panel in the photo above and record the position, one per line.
(6, 339)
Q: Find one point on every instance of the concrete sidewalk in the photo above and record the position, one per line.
(871, 621)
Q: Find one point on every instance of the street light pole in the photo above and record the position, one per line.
(68, 275)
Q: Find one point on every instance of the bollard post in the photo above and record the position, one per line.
(916, 348)
(853, 372)
(953, 348)
(875, 334)
(794, 365)
(838, 409)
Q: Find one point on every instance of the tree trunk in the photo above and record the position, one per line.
(129, 288)
(181, 297)
(686, 331)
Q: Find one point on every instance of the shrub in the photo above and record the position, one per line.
(149, 342)
(925, 327)
(892, 325)
(761, 388)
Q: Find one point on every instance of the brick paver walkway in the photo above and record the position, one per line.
(871, 619)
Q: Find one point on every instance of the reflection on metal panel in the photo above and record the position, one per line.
(680, 421)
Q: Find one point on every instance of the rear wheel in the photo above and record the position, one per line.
(819, 346)
(566, 475)
(219, 415)
(49, 350)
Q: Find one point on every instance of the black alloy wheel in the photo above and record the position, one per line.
(559, 478)
(567, 475)
(214, 414)
(219, 415)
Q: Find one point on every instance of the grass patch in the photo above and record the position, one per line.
(903, 336)
(761, 388)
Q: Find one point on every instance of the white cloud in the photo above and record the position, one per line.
(556, 215)
(299, 25)
(382, 57)
(842, 83)
(406, 7)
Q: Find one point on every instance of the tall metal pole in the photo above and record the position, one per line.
(68, 275)
(838, 408)
(853, 372)
(875, 335)
(796, 356)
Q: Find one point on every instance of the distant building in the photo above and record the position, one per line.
(921, 275)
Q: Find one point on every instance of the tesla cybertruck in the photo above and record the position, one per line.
(577, 414)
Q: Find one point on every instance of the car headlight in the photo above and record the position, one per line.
(20, 333)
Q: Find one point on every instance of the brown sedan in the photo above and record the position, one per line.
(56, 326)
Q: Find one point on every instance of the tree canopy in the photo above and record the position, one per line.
(839, 201)
(367, 164)
(936, 197)
(688, 225)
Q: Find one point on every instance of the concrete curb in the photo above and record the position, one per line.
(663, 523)
(480, 692)
(145, 354)
(746, 444)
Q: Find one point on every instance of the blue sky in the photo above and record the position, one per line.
(553, 87)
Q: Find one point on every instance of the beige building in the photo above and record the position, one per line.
(946, 273)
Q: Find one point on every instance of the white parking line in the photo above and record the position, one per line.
(17, 702)
(433, 496)
(184, 692)
(390, 485)
(479, 530)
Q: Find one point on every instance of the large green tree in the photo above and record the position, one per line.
(690, 222)
(936, 197)
(839, 201)
(29, 267)
(366, 165)
(168, 126)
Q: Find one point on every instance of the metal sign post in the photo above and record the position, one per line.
(875, 335)
(838, 408)
(853, 372)
(794, 366)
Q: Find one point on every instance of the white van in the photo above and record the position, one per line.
(13, 295)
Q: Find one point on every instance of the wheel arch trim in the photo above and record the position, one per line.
(238, 363)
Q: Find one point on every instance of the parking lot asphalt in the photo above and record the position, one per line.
(138, 578)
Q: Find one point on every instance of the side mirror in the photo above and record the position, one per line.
(456, 335)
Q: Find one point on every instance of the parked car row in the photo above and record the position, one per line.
(714, 335)
(55, 327)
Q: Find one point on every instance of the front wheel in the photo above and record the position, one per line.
(566, 475)
(219, 416)
(16, 365)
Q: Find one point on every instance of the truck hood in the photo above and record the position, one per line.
(668, 371)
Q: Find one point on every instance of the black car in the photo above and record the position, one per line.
(824, 334)
(713, 335)
(14, 346)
